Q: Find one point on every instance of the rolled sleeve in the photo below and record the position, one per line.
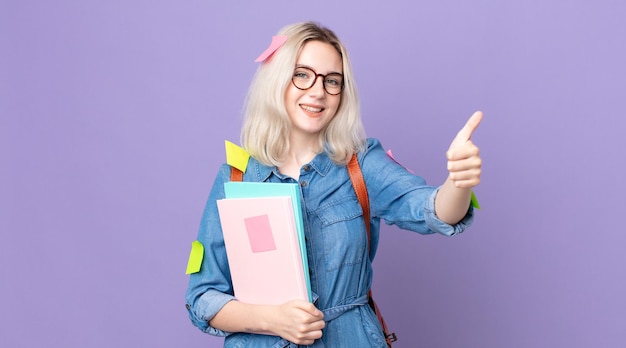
(206, 308)
(438, 226)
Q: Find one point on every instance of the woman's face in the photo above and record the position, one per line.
(312, 109)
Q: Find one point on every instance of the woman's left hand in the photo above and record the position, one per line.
(464, 162)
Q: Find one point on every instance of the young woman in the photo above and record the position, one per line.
(302, 126)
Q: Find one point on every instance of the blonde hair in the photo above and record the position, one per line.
(265, 132)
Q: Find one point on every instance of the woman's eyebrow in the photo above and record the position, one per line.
(308, 67)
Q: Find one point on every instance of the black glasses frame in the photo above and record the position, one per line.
(315, 80)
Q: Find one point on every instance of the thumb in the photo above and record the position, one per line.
(466, 132)
(309, 308)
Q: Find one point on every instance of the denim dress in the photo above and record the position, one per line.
(340, 267)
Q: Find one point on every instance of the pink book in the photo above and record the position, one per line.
(262, 249)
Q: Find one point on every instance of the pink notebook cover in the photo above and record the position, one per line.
(262, 249)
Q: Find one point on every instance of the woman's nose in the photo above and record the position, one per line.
(318, 86)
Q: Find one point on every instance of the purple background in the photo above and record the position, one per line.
(112, 121)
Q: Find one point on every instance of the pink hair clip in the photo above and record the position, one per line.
(277, 41)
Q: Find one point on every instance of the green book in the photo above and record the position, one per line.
(243, 189)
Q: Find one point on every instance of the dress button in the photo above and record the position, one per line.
(302, 183)
(307, 167)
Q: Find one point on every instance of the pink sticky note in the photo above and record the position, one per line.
(391, 156)
(260, 233)
(277, 41)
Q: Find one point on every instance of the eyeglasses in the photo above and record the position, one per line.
(305, 78)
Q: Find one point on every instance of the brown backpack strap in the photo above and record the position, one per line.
(356, 176)
(235, 174)
(358, 183)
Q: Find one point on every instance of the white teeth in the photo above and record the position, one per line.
(310, 109)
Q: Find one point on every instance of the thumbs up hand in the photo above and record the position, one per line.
(464, 162)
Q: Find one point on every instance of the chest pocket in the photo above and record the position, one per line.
(342, 232)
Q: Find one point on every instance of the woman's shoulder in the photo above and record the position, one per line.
(254, 170)
(375, 158)
(373, 142)
(373, 146)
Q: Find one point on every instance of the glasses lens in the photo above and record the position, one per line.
(303, 78)
(333, 83)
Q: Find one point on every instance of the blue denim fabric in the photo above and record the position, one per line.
(340, 266)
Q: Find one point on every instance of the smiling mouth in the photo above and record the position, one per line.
(310, 108)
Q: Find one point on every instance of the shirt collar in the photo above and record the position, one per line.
(320, 163)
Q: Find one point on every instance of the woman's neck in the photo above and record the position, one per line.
(299, 154)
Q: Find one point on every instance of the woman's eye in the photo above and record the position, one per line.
(333, 82)
(301, 75)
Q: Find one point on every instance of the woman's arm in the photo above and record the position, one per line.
(464, 167)
(211, 304)
(297, 321)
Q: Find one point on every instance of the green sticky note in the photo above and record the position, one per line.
(195, 257)
(474, 201)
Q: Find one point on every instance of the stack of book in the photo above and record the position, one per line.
(264, 238)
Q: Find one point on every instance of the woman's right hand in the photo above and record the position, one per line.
(298, 321)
